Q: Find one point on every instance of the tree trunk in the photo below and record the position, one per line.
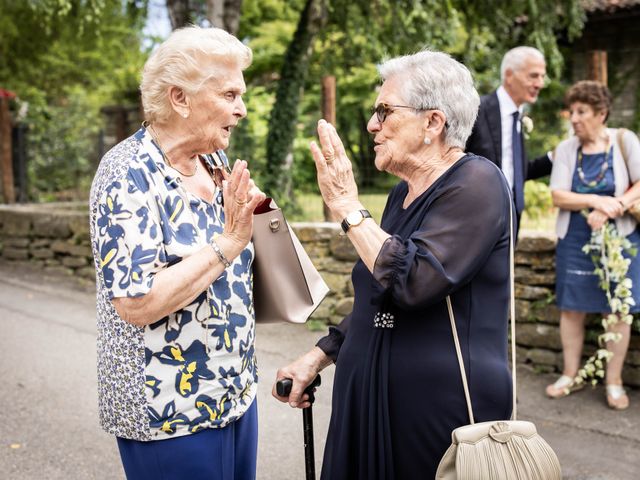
(225, 14)
(179, 13)
(284, 115)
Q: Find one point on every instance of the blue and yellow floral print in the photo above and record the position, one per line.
(194, 368)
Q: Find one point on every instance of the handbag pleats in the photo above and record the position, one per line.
(520, 458)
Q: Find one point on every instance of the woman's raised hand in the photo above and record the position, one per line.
(335, 174)
(241, 197)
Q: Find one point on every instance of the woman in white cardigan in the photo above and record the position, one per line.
(591, 173)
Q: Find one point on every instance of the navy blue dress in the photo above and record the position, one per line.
(397, 392)
(577, 286)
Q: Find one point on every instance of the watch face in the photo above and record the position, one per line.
(354, 218)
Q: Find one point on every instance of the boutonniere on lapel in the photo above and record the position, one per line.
(527, 125)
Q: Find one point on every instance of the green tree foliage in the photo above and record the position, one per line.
(65, 59)
(267, 26)
(282, 124)
(360, 33)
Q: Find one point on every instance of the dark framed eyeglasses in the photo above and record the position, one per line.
(383, 110)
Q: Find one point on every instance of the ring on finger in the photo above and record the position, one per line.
(329, 159)
(241, 203)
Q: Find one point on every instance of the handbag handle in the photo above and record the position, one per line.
(512, 318)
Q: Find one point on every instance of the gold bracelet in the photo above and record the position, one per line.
(223, 259)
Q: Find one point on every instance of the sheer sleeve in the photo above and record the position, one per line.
(460, 229)
(331, 343)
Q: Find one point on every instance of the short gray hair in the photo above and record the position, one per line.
(434, 80)
(515, 58)
(187, 59)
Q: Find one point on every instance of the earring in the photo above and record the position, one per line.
(185, 115)
(427, 140)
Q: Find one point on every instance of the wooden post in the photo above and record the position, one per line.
(329, 114)
(329, 98)
(6, 159)
(597, 60)
(121, 124)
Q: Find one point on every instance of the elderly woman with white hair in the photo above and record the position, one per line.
(444, 232)
(170, 231)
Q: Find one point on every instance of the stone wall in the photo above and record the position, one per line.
(56, 237)
(53, 236)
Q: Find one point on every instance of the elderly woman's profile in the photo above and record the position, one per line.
(445, 231)
(170, 233)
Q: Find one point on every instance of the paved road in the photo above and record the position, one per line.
(48, 411)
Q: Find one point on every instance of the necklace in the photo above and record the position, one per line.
(154, 136)
(603, 169)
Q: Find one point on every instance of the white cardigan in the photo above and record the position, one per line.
(564, 164)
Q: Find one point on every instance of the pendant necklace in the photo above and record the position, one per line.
(603, 169)
(154, 136)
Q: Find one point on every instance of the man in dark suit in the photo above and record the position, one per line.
(498, 131)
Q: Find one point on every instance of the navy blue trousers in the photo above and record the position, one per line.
(227, 453)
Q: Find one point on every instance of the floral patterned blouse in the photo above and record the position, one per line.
(194, 368)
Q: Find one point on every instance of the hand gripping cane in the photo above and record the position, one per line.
(283, 388)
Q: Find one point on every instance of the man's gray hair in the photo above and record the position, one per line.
(187, 59)
(435, 81)
(515, 59)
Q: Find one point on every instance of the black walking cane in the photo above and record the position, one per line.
(283, 388)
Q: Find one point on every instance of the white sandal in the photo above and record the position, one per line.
(563, 387)
(617, 398)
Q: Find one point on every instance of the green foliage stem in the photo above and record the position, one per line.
(607, 248)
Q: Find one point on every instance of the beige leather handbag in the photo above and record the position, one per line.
(286, 285)
(502, 449)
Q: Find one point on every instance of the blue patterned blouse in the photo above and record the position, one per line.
(194, 368)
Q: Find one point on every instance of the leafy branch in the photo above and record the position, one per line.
(607, 248)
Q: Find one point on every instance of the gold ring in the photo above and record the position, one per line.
(241, 204)
(329, 160)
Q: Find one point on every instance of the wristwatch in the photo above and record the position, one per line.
(353, 219)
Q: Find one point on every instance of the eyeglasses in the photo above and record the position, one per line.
(383, 110)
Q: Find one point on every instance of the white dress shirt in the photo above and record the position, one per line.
(507, 107)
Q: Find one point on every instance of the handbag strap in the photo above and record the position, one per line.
(620, 139)
(512, 320)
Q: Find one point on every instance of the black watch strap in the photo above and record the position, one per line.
(346, 224)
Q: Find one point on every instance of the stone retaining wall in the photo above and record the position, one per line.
(56, 237)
